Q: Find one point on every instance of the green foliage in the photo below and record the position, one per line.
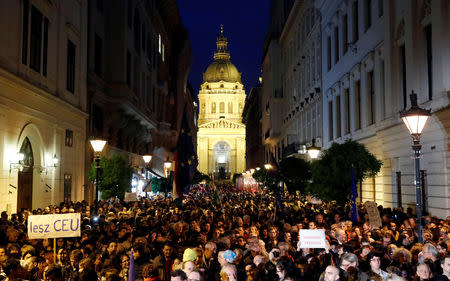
(199, 177)
(270, 178)
(160, 185)
(296, 173)
(114, 176)
(331, 174)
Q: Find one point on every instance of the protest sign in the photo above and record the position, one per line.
(374, 214)
(130, 197)
(312, 238)
(54, 226)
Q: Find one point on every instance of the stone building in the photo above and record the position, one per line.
(374, 54)
(221, 133)
(251, 117)
(42, 102)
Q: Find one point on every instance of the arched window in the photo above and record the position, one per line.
(230, 107)
(213, 107)
(222, 107)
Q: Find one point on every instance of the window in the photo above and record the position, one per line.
(26, 12)
(213, 107)
(70, 66)
(45, 48)
(137, 31)
(100, 5)
(329, 53)
(159, 43)
(336, 44)
(355, 23)
(128, 69)
(344, 34)
(380, 8)
(382, 90)
(97, 119)
(230, 107)
(338, 116)
(35, 39)
(130, 13)
(368, 14)
(69, 138)
(371, 97)
(403, 73)
(357, 105)
(67, 187)
(347, 110)
(98, 55)
(222, 107)
(429, 57)
(330, 120)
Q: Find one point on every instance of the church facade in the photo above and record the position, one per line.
(221, 133)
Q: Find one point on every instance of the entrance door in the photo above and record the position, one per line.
(25, 178)
(25, 191)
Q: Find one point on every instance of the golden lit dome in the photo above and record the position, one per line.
(222, 69)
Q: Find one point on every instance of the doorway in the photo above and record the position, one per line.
(25, 177)
(222, 160)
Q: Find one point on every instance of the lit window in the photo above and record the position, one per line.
(159, 43)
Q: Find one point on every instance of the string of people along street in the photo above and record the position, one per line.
(221, 233)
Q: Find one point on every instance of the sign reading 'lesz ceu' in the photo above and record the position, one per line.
(54, 226)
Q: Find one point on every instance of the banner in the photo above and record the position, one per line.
(374, 214)
(312, 238)
(54, 226)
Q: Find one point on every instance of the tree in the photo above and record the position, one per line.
(114, 176)
(269, 178)
(199, 177)
(331, 174)
(296, 173)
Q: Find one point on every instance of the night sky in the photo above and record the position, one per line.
(245, 23)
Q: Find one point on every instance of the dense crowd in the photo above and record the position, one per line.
(239, 236)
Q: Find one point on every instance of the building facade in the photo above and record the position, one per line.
(374, 54)
(140, 59)
(221, 133)
(251, 117)
(42, 102)
(292, 95)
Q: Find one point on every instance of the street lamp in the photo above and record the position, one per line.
(267, 166)
(415, 119)
(167, 165)
(97, 145)
(147, 158)
(313, 150)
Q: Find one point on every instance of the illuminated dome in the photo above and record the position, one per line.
(222, 69)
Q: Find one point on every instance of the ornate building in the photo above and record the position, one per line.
(221, 133)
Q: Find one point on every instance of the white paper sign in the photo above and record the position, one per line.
(130, 197)
(54, 226)
(312, 238)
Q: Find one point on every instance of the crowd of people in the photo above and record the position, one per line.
(240, 236)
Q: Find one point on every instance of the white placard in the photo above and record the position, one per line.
(54, 226)
(312, 238)
(130, 197)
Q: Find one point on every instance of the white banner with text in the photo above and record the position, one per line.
(54, 226)
(312, 238)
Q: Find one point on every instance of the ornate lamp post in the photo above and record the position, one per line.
(313, 150)
(415, 119)
(97, 146)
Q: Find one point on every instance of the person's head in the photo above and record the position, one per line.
(75, 257)
(349, 260)
(445, 264)
(284, 248)
(273, 232)
(374, 261)
(188, 266)
(331, 273)
(282, 268)
(167, 251)
(112, 247)
(178, 275)
(429, 251)
(228, 272)
(251, 271)
(423, 271)
(53, 273)
(210, 249)
(195, 275)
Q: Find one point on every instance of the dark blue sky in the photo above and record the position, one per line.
(245, 24)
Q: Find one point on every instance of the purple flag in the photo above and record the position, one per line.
(354, 193)
(131, 272)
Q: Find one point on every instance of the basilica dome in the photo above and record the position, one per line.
(222, 69)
